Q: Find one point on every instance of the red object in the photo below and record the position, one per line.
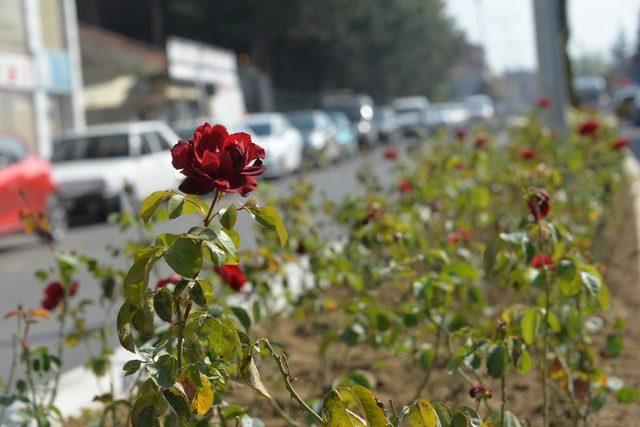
(390, 154)
(232, 275)
(589, 128)
(543, 102)
(539, 204)
(21, 172)
(541, 260)
(460, 134)
(172, 279)
(620, 143)
(213, 159)
(480, 142)
(458, 165)
(405, 186)
(528, 154)
(479, 392)
(460, 236)
(54, 294)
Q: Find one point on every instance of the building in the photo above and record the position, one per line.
(470, 73)
(40, 76)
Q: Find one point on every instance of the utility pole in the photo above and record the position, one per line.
(551, 62)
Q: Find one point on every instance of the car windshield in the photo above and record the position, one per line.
(91, 147)
(353, 112)
(303, 121)
(408, 110)
(260, 128)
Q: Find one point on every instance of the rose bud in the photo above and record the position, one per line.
(539, 203)
(460, 134)
(480, 392)
(405, 186)
(390, 154)
(171, 280)
(528, 154)
(541, 260)
(620, 143)
(588, 128)
(480, 142)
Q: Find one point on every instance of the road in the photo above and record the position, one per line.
(21, 257)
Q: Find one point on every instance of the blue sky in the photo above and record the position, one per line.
(506, 27)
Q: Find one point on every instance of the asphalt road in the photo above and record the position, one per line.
(20, 257)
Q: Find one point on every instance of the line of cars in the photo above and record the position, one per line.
(89, 169)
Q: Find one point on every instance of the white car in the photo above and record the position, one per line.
(411, 112)
(479, 107)
(283, 144)
(93, 166)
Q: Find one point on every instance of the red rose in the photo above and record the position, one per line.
(232, 275)
(390, 154)
(405, 186)
(539, 204)
(480, 392)
(528, 154)
(172, 279)
(213, 159)
(590, 127)
(543, 102)
(460, 134)
(620, 143)
(541, 260)
(480, 142)
(460, 236)
(54, 294)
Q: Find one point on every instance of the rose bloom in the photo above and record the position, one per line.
(390, 154)
(479, 392)
(590, 127)
(171, 280)
(405, 186)
(528, 154)
(543, 102)
(480, 142)
(541, 260)
(460, 133)
(460, 236)
(212, 159)
(620, 143)
(539, 204)
(232, 275)
(54, 293)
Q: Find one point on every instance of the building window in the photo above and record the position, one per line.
(52, 24)
(16, 117)
(13, 35)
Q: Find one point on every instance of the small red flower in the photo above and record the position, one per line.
(232, 275)
(541, 260)
(54, 293)
(480, 142)
(212, 159)
(528, 154)
(458, 165)
(480, 392)
(460, 236)
(172, 279)
(589, 128)
(405, 186)
(543, 102)
(460, 134)
(620, 143)
(390, 154)
(539, 203)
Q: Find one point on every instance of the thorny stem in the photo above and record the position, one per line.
(283, 414)
(28, 371)
(286, 376)
(182, 320)
(60, 352)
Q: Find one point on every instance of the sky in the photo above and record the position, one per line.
(506, 28)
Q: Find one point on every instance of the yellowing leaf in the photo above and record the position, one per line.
(204, 397)
(422, 414)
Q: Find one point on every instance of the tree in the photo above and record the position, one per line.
(635, 59)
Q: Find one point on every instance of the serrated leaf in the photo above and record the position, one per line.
(175, 205)
(229, 217)
(163, 304)
(197, 295)
(203, 399)
(373, 409)
(131, 367)
(151, 203)
(184, 257)
(242, 316)
(270, 219)
(223, 340)
(123, 323)
(164, 370)
(335, 414)
(422, 414)
(179, 405)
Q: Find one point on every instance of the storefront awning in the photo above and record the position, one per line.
(110, 94)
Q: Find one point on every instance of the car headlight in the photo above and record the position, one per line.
(364, 127)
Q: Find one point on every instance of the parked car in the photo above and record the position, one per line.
(26, 185)
(184, 128)
(447, 114)
(591, 91)
(387, 123)
(283, 144)
(93, 166)
(346, 136)
(318, 133)
(479, 107)
(359, 111)
(411, 113)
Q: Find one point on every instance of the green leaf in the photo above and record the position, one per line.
(242, 316)
(142, 320)
(591, 282)
(627, 395)
(223, 340)
(227, 243)
(525, 363)
(151, 203)
(251, 376)
(184, 257)
(216, 253)
(553, 321)
(489, 257)
(422, 414)
(335, 414)
(498, 361)
(529, 325)
(123, 323)
(615, 345)
(373, 409)
(270, 219)
(179, 405)
(163, 304)
(131, 367)
(175, 205)
(444, 412)
(164, 370)
(229, 217)
(566, 270)
(197, 295)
